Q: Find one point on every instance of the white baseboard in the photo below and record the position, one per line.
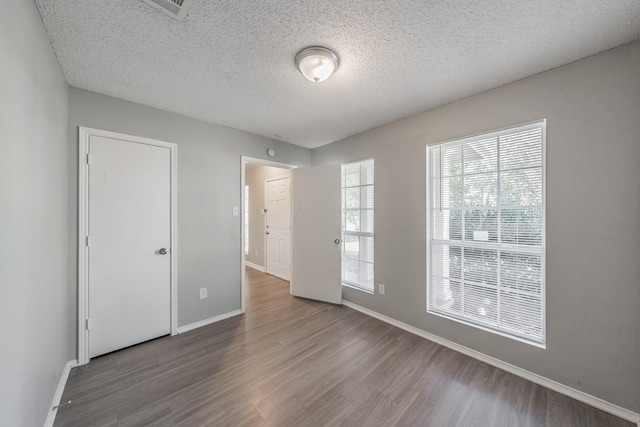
(279, 276)
(254, 266)
(581, 396)
(205, 322)
(51, 415)
(264, 270)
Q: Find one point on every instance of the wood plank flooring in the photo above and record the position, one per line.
(294, 362)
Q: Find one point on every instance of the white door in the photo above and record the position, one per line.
(316, 234)
(129, 226)
(278, 227)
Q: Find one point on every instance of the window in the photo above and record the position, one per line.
(246, 220)
(485, 234)
(357, 225)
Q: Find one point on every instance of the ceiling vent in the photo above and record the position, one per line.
(174, 8)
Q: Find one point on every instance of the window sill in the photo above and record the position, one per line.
(366, 291)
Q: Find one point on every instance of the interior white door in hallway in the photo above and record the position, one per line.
(278, 227)
(316, 244)
(129, 243)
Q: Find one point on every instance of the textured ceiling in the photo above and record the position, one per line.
(231, 62)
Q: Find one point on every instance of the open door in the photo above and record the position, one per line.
(316, 242)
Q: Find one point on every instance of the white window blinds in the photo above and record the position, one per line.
(485, 234)
(357, 224)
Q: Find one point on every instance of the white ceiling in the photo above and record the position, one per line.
(231, 62)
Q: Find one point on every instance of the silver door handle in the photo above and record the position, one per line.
(337, 241)
(162, 251)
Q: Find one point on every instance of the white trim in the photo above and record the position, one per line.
(245, 222)
(254, 266)
(581, 396)
(344, 232)
(541, 250)
(286, 279)
(174, 238)
(277, 178)
(357, 288)
(515, 128)
(243, 161)
(84, 133)
(57, 396)
(205, 322)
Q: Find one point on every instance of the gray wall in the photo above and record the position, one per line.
(593, 206)
(255, 179)
(208, 188)
(592, 109)
(33, 218)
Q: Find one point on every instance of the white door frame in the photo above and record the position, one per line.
(84, 133)
(266, 243)
(243, 161)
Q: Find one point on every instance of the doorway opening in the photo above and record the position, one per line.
(266, 216)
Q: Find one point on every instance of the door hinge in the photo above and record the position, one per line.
(87, 324)
(88, 158)
(86, 241)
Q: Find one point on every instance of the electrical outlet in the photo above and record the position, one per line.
(203, 293)
(381, 289)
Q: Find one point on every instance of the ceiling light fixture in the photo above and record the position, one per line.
(316, 63)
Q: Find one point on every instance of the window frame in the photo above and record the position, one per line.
(344, 232)
(539, 250)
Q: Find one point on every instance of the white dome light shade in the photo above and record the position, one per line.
(317, 64)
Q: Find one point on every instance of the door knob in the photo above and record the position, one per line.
(337, 241)
(162, 251)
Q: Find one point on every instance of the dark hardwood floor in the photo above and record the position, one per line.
(294, 362)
